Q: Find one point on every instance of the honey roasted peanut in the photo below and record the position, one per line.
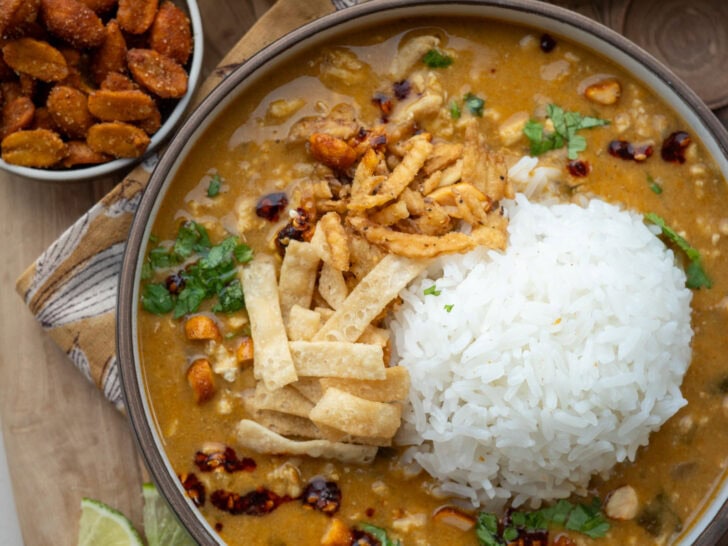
(35, 148)
(117, 82)
(117, 139)
(17, 114)
(132, 105)
(73, 21)
(136, 16)
(36, 58)
(100, 6)
(80, 153)
(111, 56)
(68, 108)
(159, 74)
(171, 34)
(17, 13)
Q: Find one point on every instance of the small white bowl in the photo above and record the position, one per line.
(164, 132)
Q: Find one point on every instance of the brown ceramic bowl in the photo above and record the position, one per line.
(713, 523)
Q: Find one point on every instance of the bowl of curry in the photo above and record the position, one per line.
(282, 225)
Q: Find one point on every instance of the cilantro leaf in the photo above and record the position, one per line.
(189, 300)
(566, 124)
(435, 58)
(191, 237)
(243, 253)
(486, 529)
(230, 298)
(157, 299)
(379, 534)
(474, 104)
(588, 520)
(455, 112)
(449, 306)
(697, 277)
(213, 189)
(432, 291)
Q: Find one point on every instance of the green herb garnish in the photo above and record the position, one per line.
(582, 518)
(449, 306)
(696, 276)
(474, 104)
(566, 124)
(379, 534)
(432, 291)
(455, 112)
(654, 186)
(214, 187)
(212, 274)
(435, 58)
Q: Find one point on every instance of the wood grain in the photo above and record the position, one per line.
(63, 440)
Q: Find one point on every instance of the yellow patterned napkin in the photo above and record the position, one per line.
(71, 288)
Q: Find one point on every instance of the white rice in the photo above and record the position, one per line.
(557, 359)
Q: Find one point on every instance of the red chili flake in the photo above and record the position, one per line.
(627, 151)
(547, 43)
(378, 141)
(195, 488)
(175, 283)
(218, 527)
(674, 146)
(225, 460)
(362, 538)
(402, 89)
(255, 503)
(369, 512)
(322, 496)
(299, 228)
(578, 168)
(384, 102)
(270, 206)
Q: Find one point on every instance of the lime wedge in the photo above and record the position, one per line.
(160, 524)
(101, 524)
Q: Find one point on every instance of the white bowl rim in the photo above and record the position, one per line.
(165, 131)
(133, 388)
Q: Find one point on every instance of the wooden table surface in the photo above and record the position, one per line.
(64, 441)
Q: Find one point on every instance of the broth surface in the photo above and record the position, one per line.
(248, 148)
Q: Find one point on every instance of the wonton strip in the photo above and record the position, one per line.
(302, 323)
(285, 400)
(337, 359)
(390, 389)
(356, 416)
(258, 438)
(332, 286)
(298, 277)
(287, 424)
(369, 298)
(272, 362)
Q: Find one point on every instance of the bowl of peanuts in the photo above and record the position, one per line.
(92, 87)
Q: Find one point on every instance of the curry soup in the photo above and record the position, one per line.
(251, 151)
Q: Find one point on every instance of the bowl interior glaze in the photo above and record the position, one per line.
(712, 523)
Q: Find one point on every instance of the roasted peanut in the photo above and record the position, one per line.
(27, 85)
(121, 105)
(111, 56)
(244, 352)
(151, 124)
(201, 327)
(73, 21)
(157, 73)
(171, 34)
(17, 13)
(136, 16)
(117, 82)
(17, 115)
(42, 119)
(622, 503)
(69, 109)
(200, 378)
(606, 92)
(36, 58)
(117, 139)
(36, 148)
(10, 90)
(331, 151)
(80, 153)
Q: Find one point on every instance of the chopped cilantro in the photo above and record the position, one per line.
(654, 186)
(566, 124)
(435, 58)
(583, 518)
(696, 276)
(214, 187)
(455, 112)
(449, 306)
(213, 273)
(432, 291)
(474, 104)
(379, 534)
(157, 299)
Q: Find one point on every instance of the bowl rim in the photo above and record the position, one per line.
(166, 131)
(133, 388)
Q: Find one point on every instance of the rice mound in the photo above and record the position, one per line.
(557, 359)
